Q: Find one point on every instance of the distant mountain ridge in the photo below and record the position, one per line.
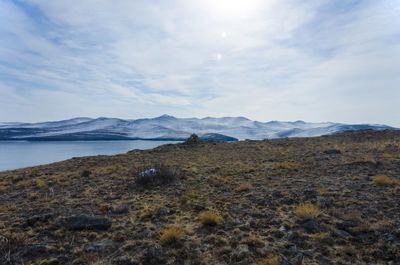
(167, 127)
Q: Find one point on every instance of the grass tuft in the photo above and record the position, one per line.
(383, 181)
(245, 186)
(210, 218)
(307, 211)
(269, 260)
(171, 235)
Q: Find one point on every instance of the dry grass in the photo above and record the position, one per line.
(210, 218)
(383, 181)
(307, 211)
(171, 235)
(269, 260)
(245, 186)
(286, 165)
(41, 183)
(318, 236)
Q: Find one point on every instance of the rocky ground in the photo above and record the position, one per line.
(325, 200)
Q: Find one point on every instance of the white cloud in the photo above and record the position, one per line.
(310, 60)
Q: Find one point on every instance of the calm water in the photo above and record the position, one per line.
(24, 154)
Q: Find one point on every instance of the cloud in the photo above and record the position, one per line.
(289, 60)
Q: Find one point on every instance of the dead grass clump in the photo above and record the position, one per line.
(245, 186)
(41, 183)
(171, 235)
(210, 218)
(383, 181)
(319, 236)
(307, 211)
(269, 260)
(286, 165)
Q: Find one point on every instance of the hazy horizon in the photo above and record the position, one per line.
(218, 117)
(287, 60)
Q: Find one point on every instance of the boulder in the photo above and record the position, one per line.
(87, 222)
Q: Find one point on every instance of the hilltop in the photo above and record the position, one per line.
(324, 200)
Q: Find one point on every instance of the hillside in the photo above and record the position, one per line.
(325, 200)
(168, 127)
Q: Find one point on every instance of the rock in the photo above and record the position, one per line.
(161, 212)
(35, 250)
(241, 253)
(120, 209)
(199, 207)
(153, 254)
(323, 259)
(277, 194)
(51, 261)
(311, 226)
(310, 193)
(124, 261)
(324, 202)
(342, 234)
(298, 259)
(245, 227)
(30, 221)
(86, 222)
(284, 261)
(3, 241)
(145, 233)
(346, 224)
(102, 246)
(332, 152)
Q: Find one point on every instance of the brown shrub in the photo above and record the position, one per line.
(245, 186)
(307, 211)
(171, 235)
(383, 181)
(210, 218)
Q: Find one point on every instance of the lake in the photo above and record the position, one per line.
(18, 154)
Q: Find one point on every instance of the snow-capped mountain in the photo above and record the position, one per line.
(171, 128)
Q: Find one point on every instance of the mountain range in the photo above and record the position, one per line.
(168, 127)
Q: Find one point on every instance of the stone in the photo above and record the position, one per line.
(30, 221)
(298, 259)
(310, 193)
(153, 254)
(161, 212)
(101, 246)
(86, 222)
(241, 253)
(332, 152)
(245, 227)
(124, 261)
(324, 202)
(311, 226)
(342, 234)
(120, 209)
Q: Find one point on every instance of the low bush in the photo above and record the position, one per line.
(210, 218)
(245, 186)
(269, 260)
(156, 175)
(307, 211)
(383, 181)
(171, 235)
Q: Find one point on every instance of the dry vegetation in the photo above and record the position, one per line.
(307, 211)
(324, 200)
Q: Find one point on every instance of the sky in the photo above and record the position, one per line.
(317, 60)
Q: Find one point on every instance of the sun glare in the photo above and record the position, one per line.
(232, 9)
